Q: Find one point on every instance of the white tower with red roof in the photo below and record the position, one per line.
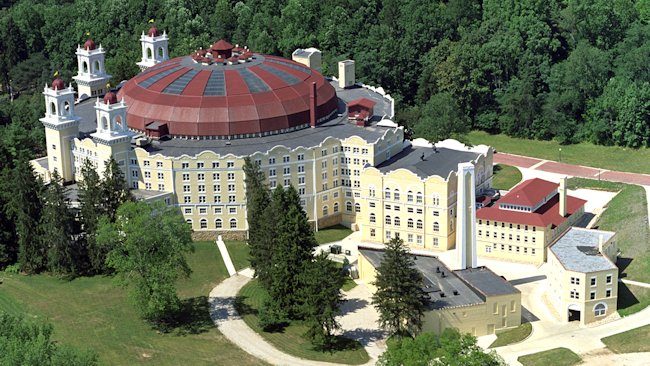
(61, 126)
(91, 78)
(154, 48)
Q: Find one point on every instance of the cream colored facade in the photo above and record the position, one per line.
(494, 314)
(517, 242)
(421, 211)
(592, 293)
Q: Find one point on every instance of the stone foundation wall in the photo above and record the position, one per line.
(211, 235)
(330, 220)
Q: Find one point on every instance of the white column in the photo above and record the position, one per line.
(466, 217)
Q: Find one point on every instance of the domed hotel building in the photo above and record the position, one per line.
(180, 131)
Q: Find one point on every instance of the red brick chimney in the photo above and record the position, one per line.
(313, 103)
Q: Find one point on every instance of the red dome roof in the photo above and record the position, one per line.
(89, 45)
(110, 98)
(266, 94)
(222, 45)
(58, 84)
(153, 32)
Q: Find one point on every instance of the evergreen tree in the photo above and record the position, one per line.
(24, 207)
(399, 298)
(260, 233)
(114, 188)
(322, 298)
(56, 226)
(292, 252)
(8, 240)
(90, 204)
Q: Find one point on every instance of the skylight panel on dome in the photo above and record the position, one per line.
(216, 85)
(177, 86)
(254, 83)
(150, 81)
(301, 68)
(287, 78)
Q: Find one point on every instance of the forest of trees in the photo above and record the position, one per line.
(574, 70)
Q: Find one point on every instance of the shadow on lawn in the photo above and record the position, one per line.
(192, 318)
(625, 297)
(622, 264)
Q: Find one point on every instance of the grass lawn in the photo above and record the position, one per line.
(556, 357)
(331, 234)
(626, 214)
(93, 313)
(349, 284)
(292, 340)
(512, 336)
(505, 177)
(634, 340)
(606, 157)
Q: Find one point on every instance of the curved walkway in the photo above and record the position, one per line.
(232, 326)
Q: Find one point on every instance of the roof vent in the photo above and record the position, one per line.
(438, 269)
(442, 274)
(456, 293)
(442, 294)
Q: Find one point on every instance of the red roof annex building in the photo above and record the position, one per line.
(228, 92)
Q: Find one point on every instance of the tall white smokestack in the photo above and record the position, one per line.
(466, 217)
(562, 192)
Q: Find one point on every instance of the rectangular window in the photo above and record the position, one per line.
(271, 161)
(301, 157)
(286, 170)
(286, 159)
(187, 199)
(161, 187)
(146, 163)
(301, 180)
(201, 199)
(231, 198)
(200, 177)
(231, 176)
(159, 164)
(216, 187)
(593, 281)
(232, 210)
(201, 187)
(231, 187)
(187, 210)
(592, 295)
(609, 279)
(217, 198)
(217, 210)
(203, 210)
(372, 233)
(215, 164)
(301, 168)
(200, 165)
(186, 177)
(185, 165)
(608, 293)
(230, 164)
(161, 175)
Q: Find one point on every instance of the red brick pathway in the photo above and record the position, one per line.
(572, 170)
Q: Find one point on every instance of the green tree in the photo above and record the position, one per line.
(24, 207)
(90, 209)
(260, 224)
(399, 298)
(57, 227)
(149, 244)
(450, 348)
(29, 343)
(8, 240)
(322, 298)
(114, 188)
(441, 118)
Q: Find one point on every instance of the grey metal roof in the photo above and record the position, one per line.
(337, 127)
(577, 250)
(486, 282)
(439, 161)
(434, 282)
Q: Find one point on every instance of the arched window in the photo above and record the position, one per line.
(372, 218)
(387, 193)
(52, 108)
(396, 195)
(204, 223)
(600, 309)
(161, 52)
(336, 207)
(409, 223)
(357, 207)
(218, 224)
(418, 197)
(397, 221)
(84, 67)
(189, 221)
(104, 123)
(233, 223)
(325, 210)
(387, 221)
(348, 206)
(409, 196)
(436, 226)
(118, 122)
(97, 67)
(66, 108)
(419, 224)
(149, 53)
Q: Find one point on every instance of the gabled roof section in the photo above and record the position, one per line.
(529, 193)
